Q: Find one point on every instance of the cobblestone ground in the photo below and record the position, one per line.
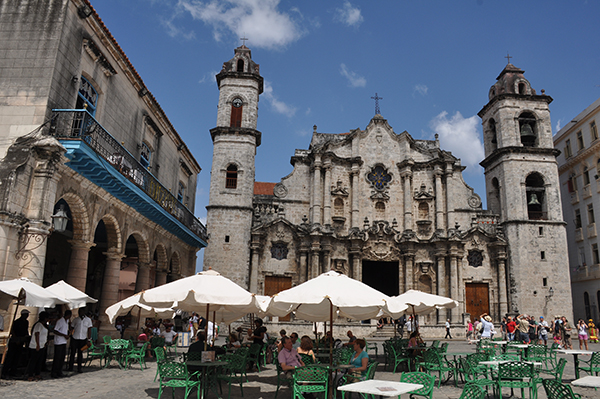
(113, 382)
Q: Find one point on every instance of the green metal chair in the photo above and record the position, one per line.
(175, 375)
(433, 361)
(590, 366)
(138, 354)
(306, 359)
(472, 391)
(310, 380)
(435, 343)
(518, 375)
(555, 371)
(474, 359)
(398, 357)
(417, 377)
(234, 373)
(254, 354)
(557, 390)
(342, 355)
(96, 352)
(281, 376)
(471, 377)
(173, 345)
(160, 358)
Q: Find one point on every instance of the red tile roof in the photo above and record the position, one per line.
(262, 188)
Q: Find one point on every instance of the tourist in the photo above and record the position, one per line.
(278, 343)
(487, 326)
(233, 341)
(61, 335)
(503, 329)
(288, 357)
(169, 335)
(306, 347)
(359, 361)
(592, 330)
(295, 341)
(351, 339)
(19, 335)
(511, 327)
(39, 339)
(532, 329)
(81, 327)
(565, 331)
(582, 332)
(557, 330)
(258, 335)
(477, 327)
(448, 335)
(469, 331)
(542, 327)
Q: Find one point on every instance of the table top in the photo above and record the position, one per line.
(497, 362)
(574, 351)
(589, 381)
(380, 387)
(520, 346)
(200, 363)
(459, 353)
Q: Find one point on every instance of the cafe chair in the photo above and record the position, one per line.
(160, 358)
(417, 377)
(472, 378)
(591, 366)
(96, 352)
(557, 390)
(175, 375)
(138, 354)
(234, 373)
(518, 375)
(472, 391)
(282, 378)
(310, 380)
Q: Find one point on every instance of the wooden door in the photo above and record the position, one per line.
(276, 284)
(477, 299)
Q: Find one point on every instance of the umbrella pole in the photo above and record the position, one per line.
(331, 330)
(206, 326)
(214, 327)
(316, 338)
(10, 333)
(139, 316)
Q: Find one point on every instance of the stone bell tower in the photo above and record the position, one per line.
(229, 212)
(522, 187)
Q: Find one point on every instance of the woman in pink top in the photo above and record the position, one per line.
(470, 329)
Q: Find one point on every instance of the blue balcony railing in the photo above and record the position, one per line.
(73, 124)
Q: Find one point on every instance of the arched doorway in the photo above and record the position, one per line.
(58, 249)
(129, 269)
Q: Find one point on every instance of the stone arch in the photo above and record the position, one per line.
(143, 247)
(80, 216)
(175, 266)
(162, 262)
(114, 235)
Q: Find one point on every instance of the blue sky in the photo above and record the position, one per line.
(433, 63)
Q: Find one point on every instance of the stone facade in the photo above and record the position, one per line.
(579, 168)
(395, 212)
(112, 164)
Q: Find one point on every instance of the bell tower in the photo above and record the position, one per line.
(522, 187)
(235, 138)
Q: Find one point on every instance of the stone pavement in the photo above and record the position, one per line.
(136, 384)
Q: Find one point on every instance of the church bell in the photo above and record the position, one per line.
(533, 200)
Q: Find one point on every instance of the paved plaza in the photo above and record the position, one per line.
(113, 382)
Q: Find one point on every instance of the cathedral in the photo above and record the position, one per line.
(394, 211)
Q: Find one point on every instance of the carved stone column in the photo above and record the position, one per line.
(255, 248)
(142, 281)
(315, 267)
(502, 292)
(161, 277)
(326, 258)
(355, 207)
(439, 200)
(441, 283)
(303, 264)
(356, 262)
(78, 264)
(327, 194)
(110, 289)
(408, 222)
(409, 263)
(317, 194)
(454, 287)
(449, 199)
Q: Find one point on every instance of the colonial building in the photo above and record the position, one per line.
(82, 137)
(391, 210)
(579, 168)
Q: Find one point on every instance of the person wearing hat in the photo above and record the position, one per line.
(488, 326)
(19, 335)
(542, 330)
(592, 330)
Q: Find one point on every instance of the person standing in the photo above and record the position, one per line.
(81, 326)
(523, 329)
(565, 331)
(511, 327)
(582, 332)
(61, 334)
(39, 338)
(503, 329)
(469, 331)
(169, 335)
(543, 331)
(448, 334)
(592, 330)
(487, 326)
(18, 337)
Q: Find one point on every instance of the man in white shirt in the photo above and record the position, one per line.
(81, 326)
(169, 335)
(61, 334)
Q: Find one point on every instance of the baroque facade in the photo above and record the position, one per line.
(83, 137)
(579, 168)
(391, 210)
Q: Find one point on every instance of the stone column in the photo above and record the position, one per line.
(142, 281)
(441, 283)
(318, 196)
(327, 194)
(161, 277)
(454, 284)
(253, 285)
(110, 289)
(409, 261)
(502, 294)
(326, 257)
(356, 266)
(315, 267)
(449, 199)
(408, 223)
(303, 264)
(355, 207)
(439, 200)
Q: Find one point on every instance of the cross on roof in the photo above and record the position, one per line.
(508, 57)
(243, 39)
(377, 98)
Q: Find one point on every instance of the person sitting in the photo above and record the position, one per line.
(288, 357)
(351, 339)
(359, 361)
(278, 343)
(306, 347)
(169, 335)
(295, 341)
(233, 341)
(328, 339)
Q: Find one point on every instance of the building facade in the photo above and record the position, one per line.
(83, 136)
(391, 210)
(579, 168)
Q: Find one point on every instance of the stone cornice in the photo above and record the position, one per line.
(517, 150)
(235, 131)
(581, 155)
(504, 96)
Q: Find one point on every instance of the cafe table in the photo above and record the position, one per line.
(575, 353)
(591, 381)
(208, 376)
(379, 387)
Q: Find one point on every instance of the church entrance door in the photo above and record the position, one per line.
(382, 276)
(477, 299)
(276, 284)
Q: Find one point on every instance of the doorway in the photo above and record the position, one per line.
(477, 299)
(276, 284)
(382, 276)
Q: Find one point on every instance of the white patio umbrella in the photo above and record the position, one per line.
(132, 304)
(76, 298)
(28, 294)
(417, 303)
(319, 298)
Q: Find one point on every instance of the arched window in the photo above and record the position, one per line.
(586, 303)
(180, 192)
(423, 211)
(535, 192)
(232, 175)
(380, 209)
(522, 88)
(87, 96)
(527, 129)
(145, 155)
(493, 140)
(338, 207)
(236, 112)
(240, 65)
(494, 200)
(425, 284)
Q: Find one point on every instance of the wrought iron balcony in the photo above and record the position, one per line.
(79, 125)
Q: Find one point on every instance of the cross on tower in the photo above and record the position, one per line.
(377, 98)
(243, 39)
(508, 57)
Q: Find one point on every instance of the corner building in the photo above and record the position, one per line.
(390, 210)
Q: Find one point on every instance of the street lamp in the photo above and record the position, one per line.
(60, 219)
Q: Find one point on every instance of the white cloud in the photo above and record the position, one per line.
(348, 15)
(258, 20)
(558, 126)
(278, 106)
(354, 79)
(421, 89)
(174, 31)
(209, 77)
(461, 136)
(308, 111)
